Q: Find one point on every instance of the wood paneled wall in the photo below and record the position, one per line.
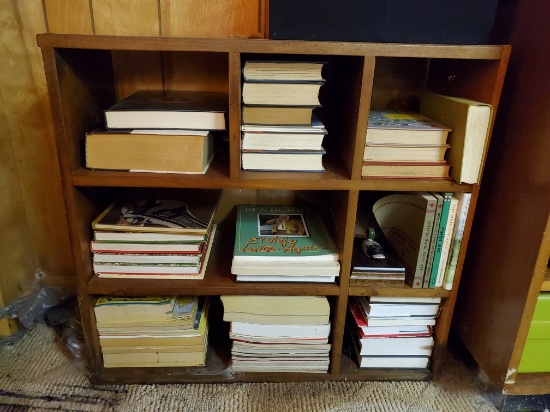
(34, 236)
(176, 18)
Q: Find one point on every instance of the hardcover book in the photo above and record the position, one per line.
(283, 70)
(404, 128)
(470, 121)
(169, 109)
(282, 233)
(167, 151)
(283, 160)
(281, 94)
(166, 210)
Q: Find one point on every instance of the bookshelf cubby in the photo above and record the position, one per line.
(87, 74)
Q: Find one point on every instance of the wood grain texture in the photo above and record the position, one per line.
(196, 71)
(212, 18)
(126, 17)
(499, 283)
(26, 113)
(135, 71)
(69, 16)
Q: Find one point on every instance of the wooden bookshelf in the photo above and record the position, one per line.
(85, 76)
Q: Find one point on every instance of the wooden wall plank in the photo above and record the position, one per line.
(126, 17)
(69, 16)
(213, 18)
(25, 109)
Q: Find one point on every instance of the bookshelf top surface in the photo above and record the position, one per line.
(75, 41)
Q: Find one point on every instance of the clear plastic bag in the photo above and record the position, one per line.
(55, 305)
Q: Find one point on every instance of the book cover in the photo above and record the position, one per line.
(470, 122)
(169, 109)
(440, 237)
(433, 241)
(165, 210)
(272, 233)
(407, 222)
(447, 242)
(462, 215)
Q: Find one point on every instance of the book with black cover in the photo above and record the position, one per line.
(361, 263)
(169, 109)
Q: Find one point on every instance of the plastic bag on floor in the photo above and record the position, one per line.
(56, 305)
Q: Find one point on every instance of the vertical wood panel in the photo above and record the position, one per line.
(126, 17)
(69, 16)
(211, 18)
(25, 109)
(195, 71)
(135, 71)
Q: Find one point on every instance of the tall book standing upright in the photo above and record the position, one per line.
(449, 228)
(407, 222)
(470, 122)
(439, 239)
(456, 243)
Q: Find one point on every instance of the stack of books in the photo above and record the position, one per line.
(405, 145)
(426, 230)
(152, 331)
(392, 332)
(278, 333)
(158, 131)
(283, 244)
(280, 131)
(155, 234)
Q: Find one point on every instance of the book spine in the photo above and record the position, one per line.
(425, 238)
(447, 242)
(433, 241)
(440, 238)
(462, 216)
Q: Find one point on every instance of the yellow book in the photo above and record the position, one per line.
(470, 122)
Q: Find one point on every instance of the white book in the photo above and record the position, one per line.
(387, 309)
(275, 278)
(146, 258)
(401, 321)
(462, 215)
(292, 268)
(396, 346)
(405, 299)
(280, 331)
(447, 242)
(400, 362)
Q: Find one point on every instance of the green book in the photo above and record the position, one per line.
(440, 237)
(281, 233)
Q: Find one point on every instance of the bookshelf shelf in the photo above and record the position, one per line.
(88, 74)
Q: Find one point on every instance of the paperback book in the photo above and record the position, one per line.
(166, 210)
(282, 233)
